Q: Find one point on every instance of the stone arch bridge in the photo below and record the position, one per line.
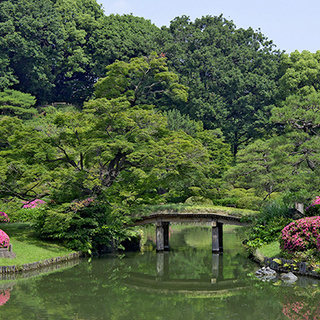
(163, 220)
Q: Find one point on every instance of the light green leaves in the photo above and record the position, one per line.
(141, 81)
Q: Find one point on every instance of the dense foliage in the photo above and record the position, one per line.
(232, 75)
(56, 50)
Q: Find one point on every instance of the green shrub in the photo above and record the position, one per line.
(249, 202)
(273, 217)
(88, 228)
(198, 200)
(239, 192)
(226, 201)
(262, 234)
(26, 215)
(313, 210)
(274, 209)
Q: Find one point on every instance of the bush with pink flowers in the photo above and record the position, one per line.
(301, 235)
(4, 296)
(33, 204)
(4, 217)
(4, 239)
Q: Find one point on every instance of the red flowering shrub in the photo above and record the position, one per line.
(4, 239)
(4, 217)
(33, 204)
(301, 235)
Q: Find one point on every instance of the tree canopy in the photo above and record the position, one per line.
(232, 75)
(289, 161)
(57, 49)
(113, 147)
(145, 80)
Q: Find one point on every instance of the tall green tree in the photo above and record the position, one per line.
(232, 75)
(75, 77)
(290, 161)
(94, 41)
(122, 37)
(57, 49)
(301, 73)
(142, 80)
(16, 103)
(23, 173)
(31, 36)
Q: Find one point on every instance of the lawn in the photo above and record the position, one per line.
(271, 250)
(27, 247)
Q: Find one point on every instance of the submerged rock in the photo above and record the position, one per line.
(266, 274)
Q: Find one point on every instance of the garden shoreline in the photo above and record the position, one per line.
(39, 264)
(281, 265)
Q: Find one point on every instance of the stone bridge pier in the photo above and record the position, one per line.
(162, 236)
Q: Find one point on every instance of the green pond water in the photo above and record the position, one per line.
(189, 282)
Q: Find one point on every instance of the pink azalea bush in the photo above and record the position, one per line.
(4, 296)
(4, 217)
(4, 239)
(301, 235)
(33, 204)
(316, 201)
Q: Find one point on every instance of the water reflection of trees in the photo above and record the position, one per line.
(302, 304)
(100, 290)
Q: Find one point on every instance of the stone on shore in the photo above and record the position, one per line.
(289, 277)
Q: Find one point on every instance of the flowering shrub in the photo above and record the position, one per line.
(4, 239)
(4, 217)
(4, 296)
(300, 235)
(317, 200)
(33, 204)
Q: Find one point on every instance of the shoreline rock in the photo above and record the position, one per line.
(281, 265)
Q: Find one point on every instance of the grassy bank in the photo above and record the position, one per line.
(271, 250)
(27, 247)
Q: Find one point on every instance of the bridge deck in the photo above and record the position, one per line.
(189, 218)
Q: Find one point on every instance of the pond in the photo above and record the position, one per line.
(189, 282)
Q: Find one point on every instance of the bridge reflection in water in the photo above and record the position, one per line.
(163, 282)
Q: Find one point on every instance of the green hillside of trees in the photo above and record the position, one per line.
(102, 115)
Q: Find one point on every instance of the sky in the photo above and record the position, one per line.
(290, 24)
